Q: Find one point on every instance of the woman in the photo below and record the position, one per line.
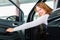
(43, 11)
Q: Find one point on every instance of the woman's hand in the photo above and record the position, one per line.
(9, 30)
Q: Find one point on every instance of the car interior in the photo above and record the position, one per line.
(40, 32)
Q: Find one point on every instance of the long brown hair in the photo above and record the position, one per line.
(45, 7)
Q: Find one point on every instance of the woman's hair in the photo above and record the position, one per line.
(45, 7)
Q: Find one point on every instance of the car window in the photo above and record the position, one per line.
(8, 9)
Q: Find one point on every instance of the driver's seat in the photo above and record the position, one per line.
(43, 32)
(37, 33)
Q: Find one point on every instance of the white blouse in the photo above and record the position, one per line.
(40, 20)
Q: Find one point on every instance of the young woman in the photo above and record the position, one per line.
(43, 11)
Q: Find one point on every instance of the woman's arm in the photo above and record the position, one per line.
(29, 24)
(39, 21)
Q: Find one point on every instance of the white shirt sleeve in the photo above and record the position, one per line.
(29, 24)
